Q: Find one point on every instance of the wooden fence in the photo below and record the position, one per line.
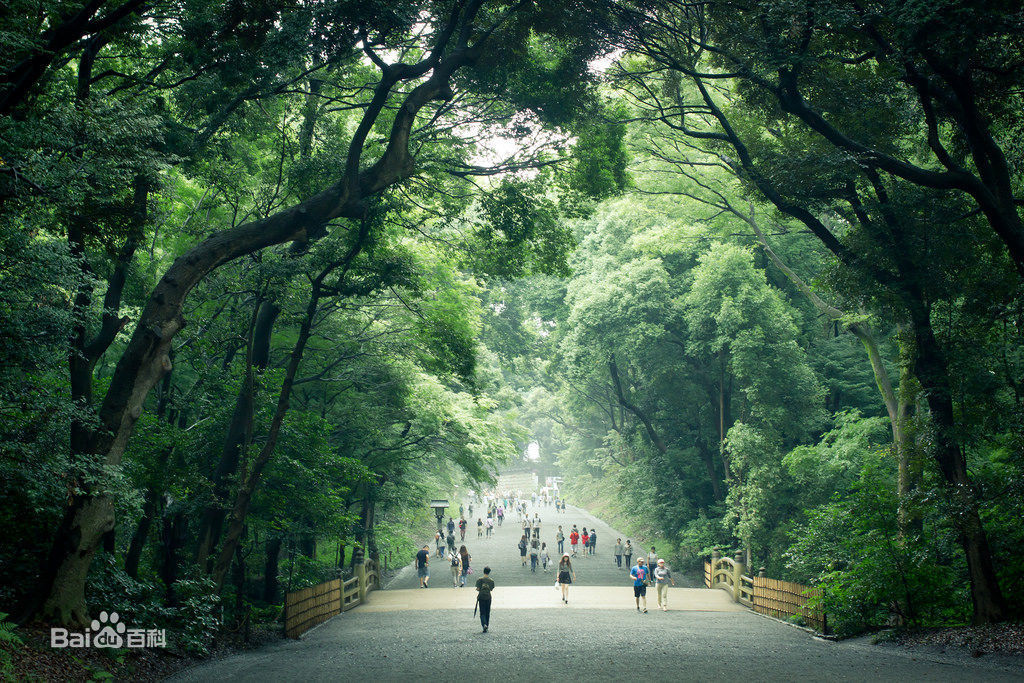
(779, 599)
(308, 607)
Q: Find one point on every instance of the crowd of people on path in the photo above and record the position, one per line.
(649, 570)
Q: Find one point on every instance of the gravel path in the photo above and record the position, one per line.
(566, 645)
(410, 633)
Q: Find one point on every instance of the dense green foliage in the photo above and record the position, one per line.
(754, 286)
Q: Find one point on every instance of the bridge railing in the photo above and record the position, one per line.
(304, 609)
(779, 599)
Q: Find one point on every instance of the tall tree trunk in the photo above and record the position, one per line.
(931, 370)
(270, 570)
(239, 433)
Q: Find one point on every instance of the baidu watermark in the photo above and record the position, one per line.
(108, 631)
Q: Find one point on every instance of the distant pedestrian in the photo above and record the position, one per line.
(489, 524)
(522, 549)
(462, 528)
(484, 587)
(652, 560)
(566, 575)
(560, 537)
(534, 554)
(585, 537)
(662, 577)
(422, 565)
(618, 552)
(574, 539)
(451, 526)
(639, 574)
(462, 511)
(544, 557)
(455, 560)
(479, 527)
(439, 542)
(593, 541)
(627, 551)
(466, 557)
(526, 527)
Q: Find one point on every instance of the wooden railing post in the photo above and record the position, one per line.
(359, 560)
(737, 573)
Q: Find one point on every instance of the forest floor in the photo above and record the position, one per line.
(35, 660)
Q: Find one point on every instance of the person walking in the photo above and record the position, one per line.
(455, 560)
(639, 574)
(618, 552)
(462, 528)
(422, 565)
(522, 549)
(628, 552)
(566, 575)
(534, 554)
(489, 524)
(526, 528)
(662, 577)
(544, 557)
(451, 542)
(593, 541)
(439, 542)
(451, 526)
(501, 515)
(574, 539)
(462, 510)
(585, 537)
(560, 537)
(652, 560)
(466, 557)
(479, 527)
(484, 587)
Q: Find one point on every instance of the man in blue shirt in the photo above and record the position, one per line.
(639, 574)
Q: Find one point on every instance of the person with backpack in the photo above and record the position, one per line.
(466, 557)
(593, 541)
(560, 537)
(455, 561)
(574, 539)
(423, 565)
(627, 551)
(522, 549)
(618, 552)
(451, 542)
(439, 542)
(566, 575)
(484, 588)
(585, 537)
(640, 577)
(489, 524)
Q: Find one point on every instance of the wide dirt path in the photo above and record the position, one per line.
(406, 633)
